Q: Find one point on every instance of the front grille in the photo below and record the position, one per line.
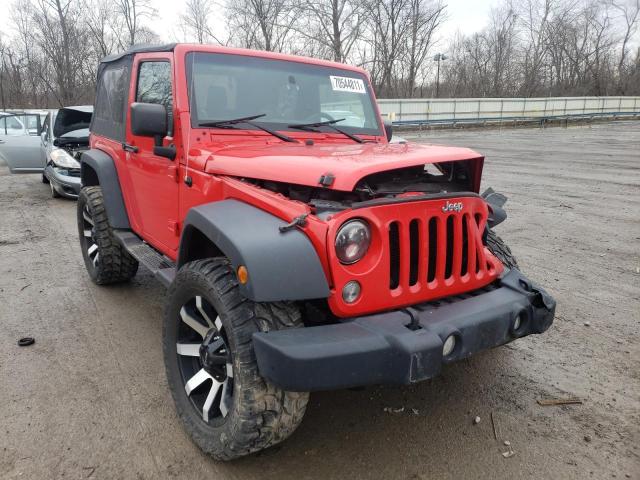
(434, 249)
(420, 252)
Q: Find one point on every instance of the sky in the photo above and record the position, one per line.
(465, 15)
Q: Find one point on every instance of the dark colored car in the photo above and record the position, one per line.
(65, 135)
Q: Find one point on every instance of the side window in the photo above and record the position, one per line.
(111, 99)
(10, 125)
(154, 84)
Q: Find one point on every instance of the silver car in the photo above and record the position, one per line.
(65, 135)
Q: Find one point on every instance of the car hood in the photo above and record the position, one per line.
(304, 165)
(72, 119)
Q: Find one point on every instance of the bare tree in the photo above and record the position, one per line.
(262, 24)
(629, 12)
(195, 21)
(103, 25)
(334, 24)
(133, 13)
(424, 18)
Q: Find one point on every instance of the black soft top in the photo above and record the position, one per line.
(141, 48)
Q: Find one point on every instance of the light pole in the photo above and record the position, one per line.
(437, 58)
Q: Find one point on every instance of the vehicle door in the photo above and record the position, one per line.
(19, 144)
(154, 178)
(45, 137)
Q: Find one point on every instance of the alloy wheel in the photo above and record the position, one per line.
(88, 232)
(204, 360)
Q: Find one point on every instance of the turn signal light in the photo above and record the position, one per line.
(243, 274)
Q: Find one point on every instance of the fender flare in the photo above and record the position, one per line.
(496, 201)
(281, 266)
(98, 168)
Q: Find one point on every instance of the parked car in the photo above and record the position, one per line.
(300, 254)
(65, 135)
(19, 141)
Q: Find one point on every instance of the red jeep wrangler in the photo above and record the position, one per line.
(302, 250)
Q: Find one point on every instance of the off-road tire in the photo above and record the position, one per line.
(260, 415)
(500, 249)
(115, 264)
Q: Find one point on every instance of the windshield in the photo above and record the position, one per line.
(223, 87)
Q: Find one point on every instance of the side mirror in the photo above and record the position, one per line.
(388, 129)
(148, 120)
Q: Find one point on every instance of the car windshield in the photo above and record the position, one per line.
(223, 87)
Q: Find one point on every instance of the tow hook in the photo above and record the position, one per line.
(414, 324)
(300, 221)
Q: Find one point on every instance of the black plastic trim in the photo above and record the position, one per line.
(281, 265)
(97, 168)
(142, 48)
(390, 348)
(414, 198)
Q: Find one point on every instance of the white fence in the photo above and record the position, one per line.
(416, 111)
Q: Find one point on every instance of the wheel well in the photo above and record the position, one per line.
(196, 245)
(88, 176)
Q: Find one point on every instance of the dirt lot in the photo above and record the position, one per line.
(90, 400)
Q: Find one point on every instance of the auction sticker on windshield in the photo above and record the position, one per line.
(346, 84)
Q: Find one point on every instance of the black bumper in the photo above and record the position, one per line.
(381, 349)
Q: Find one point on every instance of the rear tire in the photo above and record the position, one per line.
(500, 250)
(106, 260)
(227, 408)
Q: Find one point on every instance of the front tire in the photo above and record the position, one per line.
(106, 260)
(227, 408)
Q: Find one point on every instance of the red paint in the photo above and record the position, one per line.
(373, 271)
(157, 199)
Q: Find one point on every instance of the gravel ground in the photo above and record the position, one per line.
(90, 400)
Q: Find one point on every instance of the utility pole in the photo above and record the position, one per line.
(437, 58)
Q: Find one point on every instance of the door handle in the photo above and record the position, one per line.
(129, 148)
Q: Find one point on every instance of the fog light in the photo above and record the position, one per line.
(449, 346)
(351, 291)
(518, 322)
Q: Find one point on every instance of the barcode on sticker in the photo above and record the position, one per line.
(346, 84)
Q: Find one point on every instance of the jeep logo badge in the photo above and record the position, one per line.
(452, 207)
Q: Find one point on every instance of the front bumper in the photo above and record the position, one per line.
(66, 185)
(381, 349)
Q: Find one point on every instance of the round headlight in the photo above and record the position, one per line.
(352, 241)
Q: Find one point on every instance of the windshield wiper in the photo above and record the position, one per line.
(248, 121)
(310, 127)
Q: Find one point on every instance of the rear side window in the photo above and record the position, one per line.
(10, 125)
(154, 84)
(110, 111)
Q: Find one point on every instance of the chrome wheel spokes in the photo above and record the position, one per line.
(204, 359)
(88, 232)
(193, 322)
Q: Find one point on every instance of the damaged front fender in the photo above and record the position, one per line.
(496, 201)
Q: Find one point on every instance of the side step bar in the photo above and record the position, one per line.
(161, 267)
